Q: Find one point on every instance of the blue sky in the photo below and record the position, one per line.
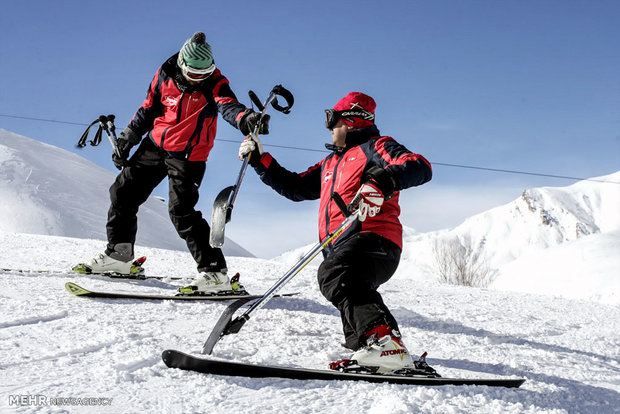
(518, 85)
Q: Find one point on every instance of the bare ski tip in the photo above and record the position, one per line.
(75, 289)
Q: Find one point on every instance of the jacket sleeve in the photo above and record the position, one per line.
(405, 167)
(151, 108)
(227, 104)
(294, 186)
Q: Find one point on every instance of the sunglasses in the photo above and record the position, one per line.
(332, 116)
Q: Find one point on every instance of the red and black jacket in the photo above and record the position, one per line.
(182, 119)
(342, 171)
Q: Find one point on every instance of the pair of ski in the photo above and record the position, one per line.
(177, 359)
(180, 360)
(227, 325)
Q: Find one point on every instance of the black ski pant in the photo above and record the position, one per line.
(349, 278)
(132, 187)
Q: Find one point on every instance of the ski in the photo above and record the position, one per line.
(81, 292)
(135, 277)
(107, 275)
(177, 359)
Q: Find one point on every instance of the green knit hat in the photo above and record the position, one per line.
(196, 53)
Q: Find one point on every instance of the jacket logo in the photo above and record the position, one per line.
(328, 176)
(171, 100)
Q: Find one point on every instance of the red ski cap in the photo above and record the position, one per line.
(356, 100)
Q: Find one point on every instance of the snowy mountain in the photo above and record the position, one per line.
(50, 191)
(554, 240)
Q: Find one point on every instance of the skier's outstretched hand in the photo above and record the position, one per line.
(250, 146)
(250, 120)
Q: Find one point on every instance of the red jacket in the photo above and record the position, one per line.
(182, 119)
(342, 172)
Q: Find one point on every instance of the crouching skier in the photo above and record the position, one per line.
(367, 254)
(179, 116)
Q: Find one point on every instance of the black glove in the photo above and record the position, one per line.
(382, 179)
(248, 122)
(126, 140)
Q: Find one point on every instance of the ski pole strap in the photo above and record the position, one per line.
(82, 141)
(347, 210)
(277, 90)
(97, 140)
(280, 90)
(106, 123)
(256, 101)
(341, 204)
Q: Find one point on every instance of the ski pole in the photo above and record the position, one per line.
(225, 325)
(225, 200)
(106, 123)
(246, 159)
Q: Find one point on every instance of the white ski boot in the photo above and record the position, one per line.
(384, 350)
(214, 283)
(120, 261)
(385, 353)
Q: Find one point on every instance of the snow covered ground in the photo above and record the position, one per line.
(551, 316)
(54, 345)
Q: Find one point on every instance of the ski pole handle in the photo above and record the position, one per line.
(256, 101)
(107, 124)
(111, 125)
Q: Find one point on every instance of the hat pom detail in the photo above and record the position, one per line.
(199, 37)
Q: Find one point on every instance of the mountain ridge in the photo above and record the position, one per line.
(50, 191)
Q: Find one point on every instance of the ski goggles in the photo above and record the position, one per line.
(332, 116)
(194, 74)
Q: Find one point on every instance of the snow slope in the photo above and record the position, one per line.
(553, 240)
(56, 345)
(47, 190)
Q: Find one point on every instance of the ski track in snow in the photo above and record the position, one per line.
(57, 345)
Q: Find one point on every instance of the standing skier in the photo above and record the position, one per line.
(179, 117)
(367, 254)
